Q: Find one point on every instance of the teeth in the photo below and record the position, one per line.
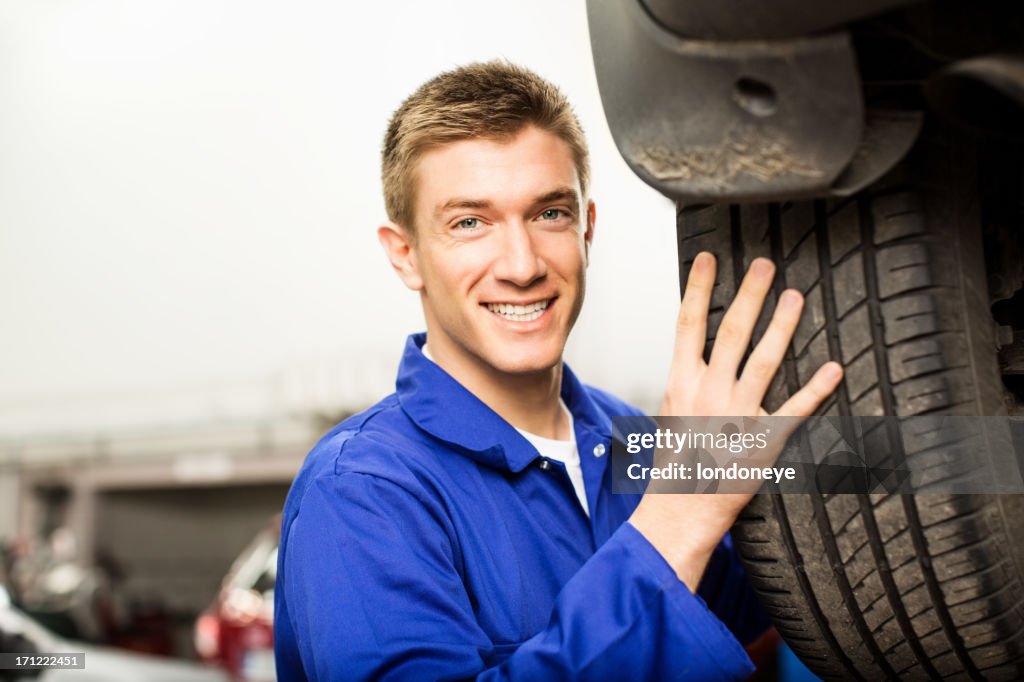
(519, 313)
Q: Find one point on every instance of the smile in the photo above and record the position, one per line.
(520, 313)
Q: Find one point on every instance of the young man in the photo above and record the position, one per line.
(464, 527)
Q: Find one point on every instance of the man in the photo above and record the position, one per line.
(464, 527)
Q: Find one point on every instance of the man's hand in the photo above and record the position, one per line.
(685, 528)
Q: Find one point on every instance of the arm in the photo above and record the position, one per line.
(372, 590)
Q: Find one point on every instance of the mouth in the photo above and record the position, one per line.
(520, 312)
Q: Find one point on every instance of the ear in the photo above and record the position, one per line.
(399, 249)
(588, 236)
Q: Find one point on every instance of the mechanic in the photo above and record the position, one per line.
(464, 527)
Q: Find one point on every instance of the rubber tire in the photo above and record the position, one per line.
(882, 586)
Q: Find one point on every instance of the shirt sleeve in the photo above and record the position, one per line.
(370, 577)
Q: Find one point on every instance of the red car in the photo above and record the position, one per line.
(237, 630)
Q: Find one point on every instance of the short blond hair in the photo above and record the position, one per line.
(490, 100)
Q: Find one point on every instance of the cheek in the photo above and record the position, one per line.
(568, 258)
(453, 273)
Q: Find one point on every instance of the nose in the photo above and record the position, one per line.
(519, 262)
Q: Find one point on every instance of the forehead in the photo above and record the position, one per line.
(504, 173)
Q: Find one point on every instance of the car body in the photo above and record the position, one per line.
(237, 631)
(102, 664)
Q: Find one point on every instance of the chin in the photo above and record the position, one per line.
(527, 362)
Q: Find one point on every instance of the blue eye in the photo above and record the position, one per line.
(468, 223)
(552, 214)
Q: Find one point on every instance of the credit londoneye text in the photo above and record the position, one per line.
(700, 472)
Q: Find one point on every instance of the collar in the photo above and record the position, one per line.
(444, 408)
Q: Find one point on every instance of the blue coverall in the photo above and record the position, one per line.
(426, 539)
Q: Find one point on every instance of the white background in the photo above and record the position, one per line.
(189, 194)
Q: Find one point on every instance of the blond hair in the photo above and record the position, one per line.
(490, 100)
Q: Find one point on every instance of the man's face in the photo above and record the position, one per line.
(500, 253)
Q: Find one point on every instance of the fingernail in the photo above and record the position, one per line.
(702, 260)
(790, 298)
(762, 267)
(833, 370)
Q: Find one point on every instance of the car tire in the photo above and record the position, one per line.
(882, 586)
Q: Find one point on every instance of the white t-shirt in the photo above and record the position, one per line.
(564, 451)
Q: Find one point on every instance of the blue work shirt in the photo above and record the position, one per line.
(426, 539)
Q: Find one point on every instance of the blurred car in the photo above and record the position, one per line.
(236, 632)
(20, 634)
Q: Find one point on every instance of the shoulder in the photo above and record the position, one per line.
(355, 432)
(372, 469)
(380, 442)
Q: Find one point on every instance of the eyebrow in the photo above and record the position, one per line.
(561, 194)
(566, 194)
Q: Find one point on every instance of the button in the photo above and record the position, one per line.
(544, 465)
(599, 450)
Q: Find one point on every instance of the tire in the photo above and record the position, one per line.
(882, 586)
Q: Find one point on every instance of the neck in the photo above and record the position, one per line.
(529, 401)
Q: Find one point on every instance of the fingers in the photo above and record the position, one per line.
(737, 326)
(804, 402)
(767, 356)
(691, 325)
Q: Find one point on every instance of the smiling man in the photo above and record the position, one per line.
(464, 527)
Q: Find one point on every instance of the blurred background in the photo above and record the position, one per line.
(191, 290)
